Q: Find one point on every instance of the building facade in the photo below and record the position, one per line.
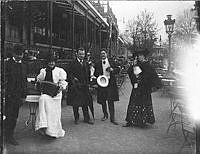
(58, 26)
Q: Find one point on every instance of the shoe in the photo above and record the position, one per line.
(50, 137)
(76, 122)
(89, 122)
(42, 132)
(143, 126)
(104, 118)
(114, 122)
(127, 125)
(12, 141)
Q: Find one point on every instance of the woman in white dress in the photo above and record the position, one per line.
(48, 121)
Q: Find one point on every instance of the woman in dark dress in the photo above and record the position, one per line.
(144, 80)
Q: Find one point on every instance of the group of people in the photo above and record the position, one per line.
(77, 79)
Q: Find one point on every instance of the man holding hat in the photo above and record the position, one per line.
(110, 94)
(16, 81)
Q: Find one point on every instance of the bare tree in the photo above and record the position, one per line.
(185, 28)
(143, 30)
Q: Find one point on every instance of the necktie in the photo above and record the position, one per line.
(81, 61)
(49, 75)
(104, 62)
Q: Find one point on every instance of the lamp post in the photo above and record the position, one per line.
(169, 25)
(197, 14)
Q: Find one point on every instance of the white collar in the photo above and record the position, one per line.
(20, 61)
(79, 60)
(106, 60)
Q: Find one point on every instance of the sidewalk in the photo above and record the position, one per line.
(103, 137)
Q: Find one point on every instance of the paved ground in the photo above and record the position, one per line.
(103, 137)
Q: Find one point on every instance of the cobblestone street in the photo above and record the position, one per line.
(103, 137)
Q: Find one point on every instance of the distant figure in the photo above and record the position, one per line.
(91, 67)
(48, 121)
(110, 93)
(16, 82)
(144, 81)
(78, 91)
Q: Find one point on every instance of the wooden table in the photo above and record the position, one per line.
(167, 82)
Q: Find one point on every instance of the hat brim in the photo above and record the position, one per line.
(102, 81)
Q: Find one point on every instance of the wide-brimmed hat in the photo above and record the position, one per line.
(51, 58)
(102, 81)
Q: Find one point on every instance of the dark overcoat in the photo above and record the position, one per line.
(146, 81)
(78, 91)
(154, 80)
(16, 79)
(110, 92)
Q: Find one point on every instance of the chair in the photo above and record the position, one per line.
(188, 130)
(176, 100)
(32, 99)
(167, 83)
(175, 113)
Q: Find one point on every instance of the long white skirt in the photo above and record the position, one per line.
(49, 115)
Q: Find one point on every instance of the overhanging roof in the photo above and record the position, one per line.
(84, 7)
(96, 12)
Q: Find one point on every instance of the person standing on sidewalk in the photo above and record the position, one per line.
(78, 91)
(110, 93)
(15, 94)
(144, 81)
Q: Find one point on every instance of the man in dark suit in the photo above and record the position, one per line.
(78, 92)
(109, 93)
(15, 94)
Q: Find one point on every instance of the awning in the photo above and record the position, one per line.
(97, 13)
(86, 5)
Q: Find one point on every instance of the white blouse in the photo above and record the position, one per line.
(59, 76)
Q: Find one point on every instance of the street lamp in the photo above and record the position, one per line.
(197, 14)
(169, 25)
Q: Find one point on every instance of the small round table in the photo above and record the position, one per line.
(33, 101)
(167, 82)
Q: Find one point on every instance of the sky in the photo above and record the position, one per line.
(130, 9)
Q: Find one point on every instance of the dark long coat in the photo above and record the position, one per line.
(140, 108)
(16, 86)
(154, 80)
(147, 81)
(78, 92)
(112, 89)
(16, 80)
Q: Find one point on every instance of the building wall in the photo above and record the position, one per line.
(64, 28)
